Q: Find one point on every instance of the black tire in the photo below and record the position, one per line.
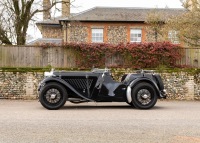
(144, 96)
(53, 96)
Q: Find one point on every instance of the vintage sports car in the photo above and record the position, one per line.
(140, 90)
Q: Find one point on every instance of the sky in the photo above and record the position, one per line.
(82, 5)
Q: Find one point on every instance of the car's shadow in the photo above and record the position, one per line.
(105, 107)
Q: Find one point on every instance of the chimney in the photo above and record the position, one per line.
(46, 13)
(66, 8)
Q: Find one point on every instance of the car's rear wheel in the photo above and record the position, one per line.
(53, 96)
(144, 96)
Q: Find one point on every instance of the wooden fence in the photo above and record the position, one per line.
(36, 57)
(191, 57)
(58, 57)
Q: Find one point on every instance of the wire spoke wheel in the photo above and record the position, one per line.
(53, 95)
(144, 96)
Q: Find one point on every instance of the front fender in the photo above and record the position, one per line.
(61, 81)
(136, 81)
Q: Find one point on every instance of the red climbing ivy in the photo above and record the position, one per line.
(130, 55)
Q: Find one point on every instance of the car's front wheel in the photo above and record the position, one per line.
(53, 96)
(144, 96)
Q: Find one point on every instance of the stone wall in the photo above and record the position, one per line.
(182, 85)
(150, 36)
(78, 34)
(113, 34)
(117, 34)
(179, 85)
(197, 86)
(52, 32)
(16, 85)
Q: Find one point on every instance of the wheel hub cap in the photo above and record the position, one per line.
(53, 96)
(145, 96)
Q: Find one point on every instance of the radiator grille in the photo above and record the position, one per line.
(79, 83)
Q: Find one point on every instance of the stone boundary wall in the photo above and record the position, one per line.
(17, 85)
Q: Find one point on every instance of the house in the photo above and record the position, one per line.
(103, 25)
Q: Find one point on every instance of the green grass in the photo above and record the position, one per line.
(38, 69)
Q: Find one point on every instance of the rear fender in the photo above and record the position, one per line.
(64, 83)
(135, 82)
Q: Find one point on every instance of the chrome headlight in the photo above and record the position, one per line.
(49, 74)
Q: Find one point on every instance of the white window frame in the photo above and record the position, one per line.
(97, 35)
(136, 35)
(173, 36)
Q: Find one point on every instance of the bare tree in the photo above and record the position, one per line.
(187, 24)
(155, 23)
(15, 18)
(191, 4)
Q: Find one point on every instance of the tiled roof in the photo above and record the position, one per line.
(121, 14)
(50, 21)
(114, 14)
(54, 20)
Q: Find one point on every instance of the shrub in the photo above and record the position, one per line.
(130, 55)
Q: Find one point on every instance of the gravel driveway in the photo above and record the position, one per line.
(167, 122)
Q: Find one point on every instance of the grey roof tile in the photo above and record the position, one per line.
(115, 14)
(121, 14)
(54, 20)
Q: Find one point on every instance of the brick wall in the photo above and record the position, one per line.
(179, 85)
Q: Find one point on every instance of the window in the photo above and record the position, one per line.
(97, 35)
(173, 36)
(136, 35)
